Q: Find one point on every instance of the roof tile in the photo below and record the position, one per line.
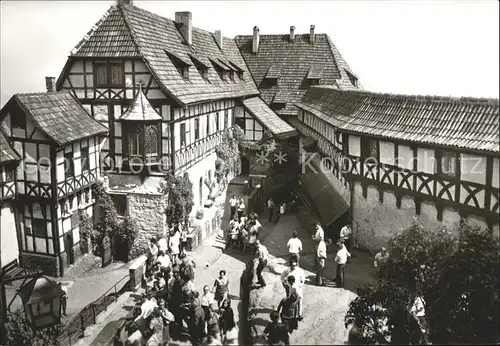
(268, 117)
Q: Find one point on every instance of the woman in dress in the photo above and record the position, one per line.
(221, 287)
(287, 310)
(231, 329)
(167, 318)
(174, 243)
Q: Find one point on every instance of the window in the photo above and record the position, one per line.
(369, 148)
(183, 134)
(352, 78)
(241, 75)
(69, 165)
(75, 220)
(85, 159)
(241, 123)
(217, 122)
(314, 81)
(39, 228)
(151, 140)
(120, 203)
(231, 75)
(134, 140)
(196, 129)
(18, 121)
(109, 74)
(448, 164)
(226, 119)
(208, 125)
(10, 173)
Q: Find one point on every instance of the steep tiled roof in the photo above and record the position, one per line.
(60, 116)
(7, 153)
(128, 31)
(141, 109)
(294, 61)
(456, 122)
(268, 118)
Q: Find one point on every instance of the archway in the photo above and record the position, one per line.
(245, 166)
(201, 191)
(68, 247)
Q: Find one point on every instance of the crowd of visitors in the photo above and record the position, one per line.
(172, 308)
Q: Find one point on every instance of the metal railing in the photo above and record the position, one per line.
(87, 316)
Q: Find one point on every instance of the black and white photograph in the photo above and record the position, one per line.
(294, 172)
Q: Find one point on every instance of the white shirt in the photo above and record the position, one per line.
(321, 251)
(345, 232)
(163, 245)
(294, 245)
(207, 299)
(380, 258)
(282, 209)
(232, 202)
(147, 309)
(320, 234)
(241, 206)
(135, 338)
(258, 225)
(262, 252)
(342, 255)
(164, 261)
(298, 274)
(174, 242)
(270, 204)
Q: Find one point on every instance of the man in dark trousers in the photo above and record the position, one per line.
(262, 254)
(232, 203)
(276, 332)
(197, 323)
(270, 206)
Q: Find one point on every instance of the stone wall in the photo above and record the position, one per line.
(148, 212)
(375, 222)
(206, 227)
(48, 264)
(136, 271)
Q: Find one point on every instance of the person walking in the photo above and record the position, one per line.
(64, 298)
(276, 332)
(294, 246)
(379, 261)
(341, 260)
(270, 207)
(321, 261)
(183, 240)
(174, 244)
(262, 255)
(232, 204)
(282, 212)
(241, 207)
(318, 235)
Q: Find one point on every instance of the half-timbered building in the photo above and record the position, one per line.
(58, 144)
(392, 158)
(166, 91)
(285, 66)
(9, 160)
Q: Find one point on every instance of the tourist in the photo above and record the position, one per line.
(341, 260)
(287, 309)
(276, 332)
(255, 218)
(233, 231)
(174, 243)
(147, 307)
(252, 235)
(241, 207)
(321, 261)
(221, 287)
(167, 318)
(270, 206)
(346, 236)
(262, 256)
(134, 335)
(320, 233)
(162, 243)
(183, 240)
(230, 330)
(152, 251)
(196, 323)
(297, 284)
(207, 299)
(163, 260)
(282, 212)
(64, 298)
(294, 246)
(156, 327)
(381, 259)
(213, 330)
(232, 205)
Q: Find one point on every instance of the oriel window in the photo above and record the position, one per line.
(151, 140)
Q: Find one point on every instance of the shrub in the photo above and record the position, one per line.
(179, 192)
(19, 332)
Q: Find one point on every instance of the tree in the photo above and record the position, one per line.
(456, 274)
(19, 332)
(179, 192)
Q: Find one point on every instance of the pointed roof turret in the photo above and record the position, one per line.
(141, 110)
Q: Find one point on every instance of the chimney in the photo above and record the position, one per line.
(218, 38)
(50, 84)
(312, 38)
(255, 45)
(292, 33)
(184, 21)
(124, 2)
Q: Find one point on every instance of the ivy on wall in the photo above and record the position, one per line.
(179, 192)
(228, 152)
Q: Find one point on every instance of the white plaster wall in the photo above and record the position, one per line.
(10, 246)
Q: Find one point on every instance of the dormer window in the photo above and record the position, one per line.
(221, 69)
(239, 70)
(272, 75)
(231, 75)
(201, 66)
(314, 74)
(352, 78)
(141, 132)
(182, 65)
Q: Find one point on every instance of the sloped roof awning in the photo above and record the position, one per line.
(327, 202)
(179, 57)
(219, 64)
(200, 60)
(141, 110)
(7, 153)
(268, 118)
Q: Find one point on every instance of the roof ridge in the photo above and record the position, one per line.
(418, 97)
(277, 35)
(43, 93)
(96, 26)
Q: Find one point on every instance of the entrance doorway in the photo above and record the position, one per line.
(201, 191)
(245, 166)
(68, 247)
